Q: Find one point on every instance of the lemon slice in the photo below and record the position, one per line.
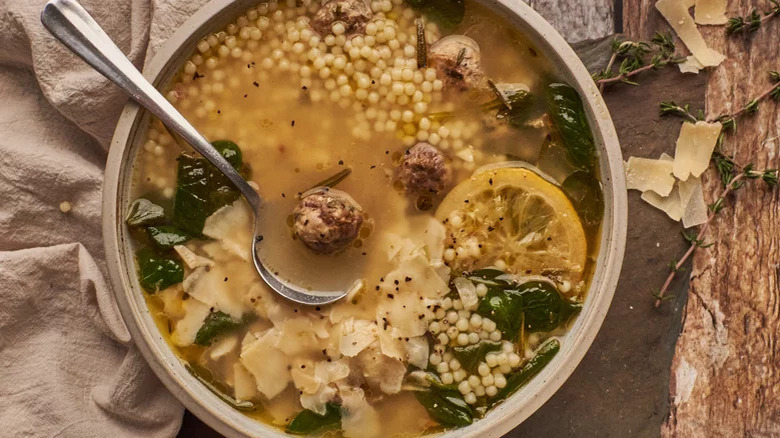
(515, 217)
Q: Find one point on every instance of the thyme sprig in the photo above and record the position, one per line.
(732, 184)
(728, 120)
(753, 21)
(636, 57)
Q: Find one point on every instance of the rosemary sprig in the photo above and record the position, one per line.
(422, 45)
(333, 180)
(636, 57)
(753, 21)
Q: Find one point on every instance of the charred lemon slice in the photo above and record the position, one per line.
(512, 216)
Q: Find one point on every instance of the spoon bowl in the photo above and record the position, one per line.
(72, 25)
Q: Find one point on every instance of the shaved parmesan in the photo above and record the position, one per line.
(694, 148)
(710, 12)
(195, 312)
(191, 259)
(231, 225)
(243, 383)
(676, 13)
(382, 372)
(269, 366)
(668, 204)
(391, 343)
(417, 350)
(219, 289)
(467, 293)
(359, 419)
(690, 65)
(283, 407)
(645, 174)
(332, 371)
(356, 335)
(695, 211)
(317, 402)
(302, 374)
(223, 347)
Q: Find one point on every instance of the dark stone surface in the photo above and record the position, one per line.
(621, 387)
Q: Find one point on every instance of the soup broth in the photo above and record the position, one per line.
(450, 187)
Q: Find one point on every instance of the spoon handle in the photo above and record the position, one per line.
(77, 30)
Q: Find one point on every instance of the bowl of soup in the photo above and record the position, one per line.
(449, 165)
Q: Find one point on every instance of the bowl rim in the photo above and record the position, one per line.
(223, 418)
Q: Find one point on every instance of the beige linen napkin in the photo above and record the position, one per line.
(67, 365)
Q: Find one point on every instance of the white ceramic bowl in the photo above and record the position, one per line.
(116, 198)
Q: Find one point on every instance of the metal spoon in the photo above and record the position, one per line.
(77, 30)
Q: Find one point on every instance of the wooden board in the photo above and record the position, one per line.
(725, 377)
(578, 20)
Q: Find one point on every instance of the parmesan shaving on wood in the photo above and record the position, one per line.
(645, 174)
(694, 148)
(690, 65)
(676, 13)
(710, 12)
(695, 210)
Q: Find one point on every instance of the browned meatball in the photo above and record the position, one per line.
(327, 220)
(456, 59)
(354, 14)
(424, 170)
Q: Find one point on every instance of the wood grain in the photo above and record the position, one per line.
(725, 377)
(578, 20)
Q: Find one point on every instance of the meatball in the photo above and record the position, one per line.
(424, 170)
(327, 220)
(354, 14)
(456, 59)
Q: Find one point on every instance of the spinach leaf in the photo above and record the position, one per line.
(544, 308)
(584, 191)
(307, 422)
(166, 236)
(488, 277)
(218, 324)
(429, 378)
(446, 407)
(201, 189)
(543, 356)
(446, 13)
(231, 152)
(206, 379)
(503, 306)
(471, 355)
(144, 212)
(537, 303)
(569, 119)
(157, 272)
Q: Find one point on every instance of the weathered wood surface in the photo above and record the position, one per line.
(726, 369)
(578, 20)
